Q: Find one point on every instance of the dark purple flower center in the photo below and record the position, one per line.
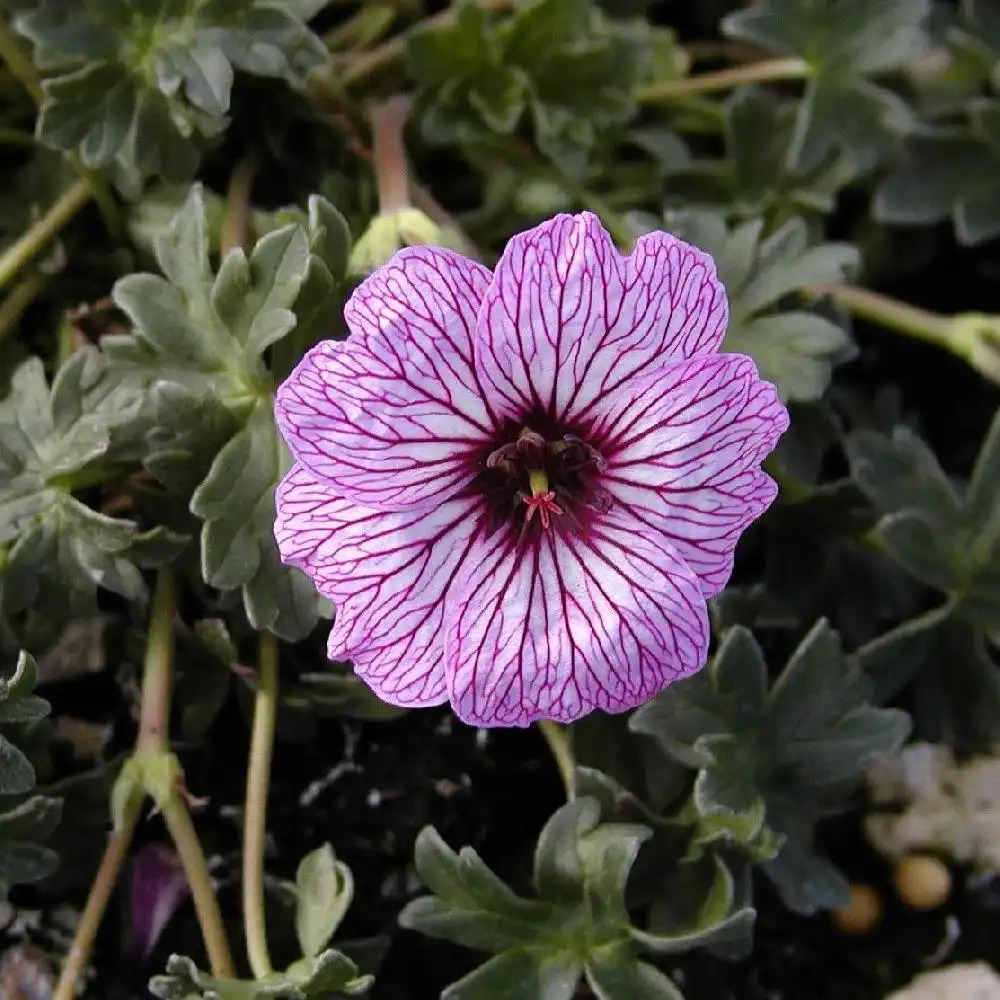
(536, 473)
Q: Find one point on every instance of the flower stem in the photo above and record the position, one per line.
(20, 65)
(234, 219)
(25, 249)
(388, 52)
(206, 904)
(557, 738)
(765, 71)
(255, 811)
(154, 712)
(97, 902)
(933, 328)
(18, 299)
(389, 153)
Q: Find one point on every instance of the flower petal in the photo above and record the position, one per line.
(568, 319)
(566, 625)
(683, 449)
(388, 574)
(389, 415)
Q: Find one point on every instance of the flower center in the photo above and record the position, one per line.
(550, 478)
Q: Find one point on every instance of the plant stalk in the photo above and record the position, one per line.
(206, 903)
(97, 902)
(19, 63)
(557, 737)
(28, 246)
(389, 153)
(154, 712)
(237, 210)
(18, 299)
(255, 811)
(933, 328)
(765, 71)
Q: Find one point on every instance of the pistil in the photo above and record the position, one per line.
(542, 499)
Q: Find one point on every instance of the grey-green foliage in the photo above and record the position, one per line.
(144, 83)
(765, 275)
(797, 747)
(205, 345)
(55, 441)
(577, 926)
(947, 536)
(847, 45)
(32, 819)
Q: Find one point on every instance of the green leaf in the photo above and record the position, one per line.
(85, 429)
(324, 889)
(327, 975)
(146, 89)
(203, 343)
(845, 43)
(562, 63)
(803, 744)
(794, 348)
(614, 973)
(517, 975)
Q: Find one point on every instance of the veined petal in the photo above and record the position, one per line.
(568, 319)
(389, 416)
(683, 449)
(388, 573)
(566, 625)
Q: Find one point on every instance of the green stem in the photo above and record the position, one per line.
(24, 250)
(255, 811)
(154, 713)
(18, 299)
(234, 219)
(19, 63)
(89, 923)
(557, 738)
(388, 120)
(765, 71)
(388, 52)
(933, 328)
(206, 903)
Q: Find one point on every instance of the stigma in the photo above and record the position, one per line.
(542, 499)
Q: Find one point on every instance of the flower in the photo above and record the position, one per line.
(520, 488)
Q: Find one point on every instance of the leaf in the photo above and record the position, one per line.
(803, 743)
(845, 43)
(794, 348)
(329, 974)
(324, 889)
(145, 92)
(84, 429)
(562, 63)
(580, 920)
(614, 974)
(202, 343)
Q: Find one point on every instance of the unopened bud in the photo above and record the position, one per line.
(390, 232)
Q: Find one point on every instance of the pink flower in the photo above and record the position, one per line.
(520, 488)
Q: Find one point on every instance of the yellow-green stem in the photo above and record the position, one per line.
(234, 219)
(206, 904)
(388, 52)
(154, 711)
(557, 737)
(765, 71)
(19, 63)
(103, 885)
(255, 811)
(912, 321)
(25, 249)
(18, 299)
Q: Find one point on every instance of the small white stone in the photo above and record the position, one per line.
(968, 981)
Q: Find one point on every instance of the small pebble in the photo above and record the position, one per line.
(862, 913)
(922, 881)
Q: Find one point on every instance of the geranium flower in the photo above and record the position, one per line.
(520, 488)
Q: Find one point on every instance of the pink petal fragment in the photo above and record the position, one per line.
(558, 628)
(389, 416)
(684, 448)
(569, 320)
(388, 574)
